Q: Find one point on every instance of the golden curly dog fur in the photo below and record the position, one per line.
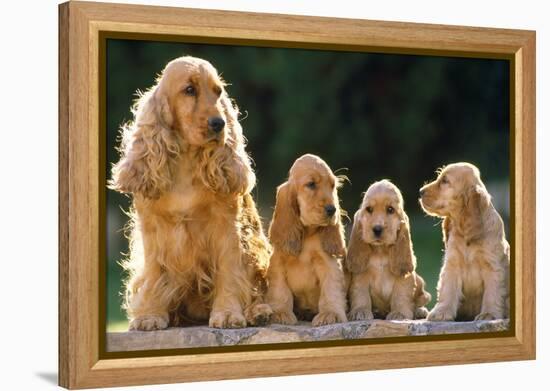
(198, 251)
(305, 273)
(474, 279)
(382, 261)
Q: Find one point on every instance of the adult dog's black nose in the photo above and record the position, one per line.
(216, 124)
(377, 230)
(330, 210)
(421, 192)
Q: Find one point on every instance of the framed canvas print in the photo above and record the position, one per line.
(247, 195)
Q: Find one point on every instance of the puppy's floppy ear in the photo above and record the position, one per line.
(332, 240)
(359, 251)
(149, 149)
(475, 201)
(446, 228)
(402, 259)
(286, 229)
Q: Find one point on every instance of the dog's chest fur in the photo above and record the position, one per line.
(469, 260)
(184, 198)
(189, 203)
(303, 274)
(185, 223)
(382, 280)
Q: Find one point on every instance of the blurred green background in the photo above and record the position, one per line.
(369, 116)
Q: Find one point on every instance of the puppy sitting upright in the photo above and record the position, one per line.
(381, 259)
(474, 279)
(305, 274)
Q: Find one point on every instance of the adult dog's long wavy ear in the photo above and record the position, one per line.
(149, 149)
(229, 169)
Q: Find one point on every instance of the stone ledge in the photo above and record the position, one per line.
(201, 336)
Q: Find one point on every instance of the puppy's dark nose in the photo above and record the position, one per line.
(216, 124)
(421, 192)
(330, 210)
(377, 230)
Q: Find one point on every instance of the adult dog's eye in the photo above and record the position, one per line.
(369, 209)
(310, 185)
(190, 90)
(390, 210)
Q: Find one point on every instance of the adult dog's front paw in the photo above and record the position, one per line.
(360, 313)
(328, 317)
(258, 314)
(226, 320)
(440, 314)
(280, 317)
(486, 316)
(148, 323)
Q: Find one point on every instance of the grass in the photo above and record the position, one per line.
(427, 242)
(117, 326)
(116, 318)
(428, 247)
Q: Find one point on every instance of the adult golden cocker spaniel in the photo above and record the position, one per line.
(380, 257)
(306, 278)
(474, 279)
(197, 248)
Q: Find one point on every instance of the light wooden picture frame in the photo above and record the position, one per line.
(83, 362)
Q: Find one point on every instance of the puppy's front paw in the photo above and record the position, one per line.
(360, 313)
(421, 313)
(440, 314)
(284, 318)
(149, 323)
(226, 320)
(396, 315)
(258, 314)
(486, 316)
(329, 317)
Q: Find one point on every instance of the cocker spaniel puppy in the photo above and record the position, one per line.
(305, 275)
(198, 252)
(474, 279)
(381, 259)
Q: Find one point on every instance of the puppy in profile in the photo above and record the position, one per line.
(474, 279)
(381, 260)
(305, 275)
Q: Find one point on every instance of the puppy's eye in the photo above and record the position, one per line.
(190, 90)
(390, 210)
(369, 209)
(444, 180)
(217, 91)
(310, 185)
